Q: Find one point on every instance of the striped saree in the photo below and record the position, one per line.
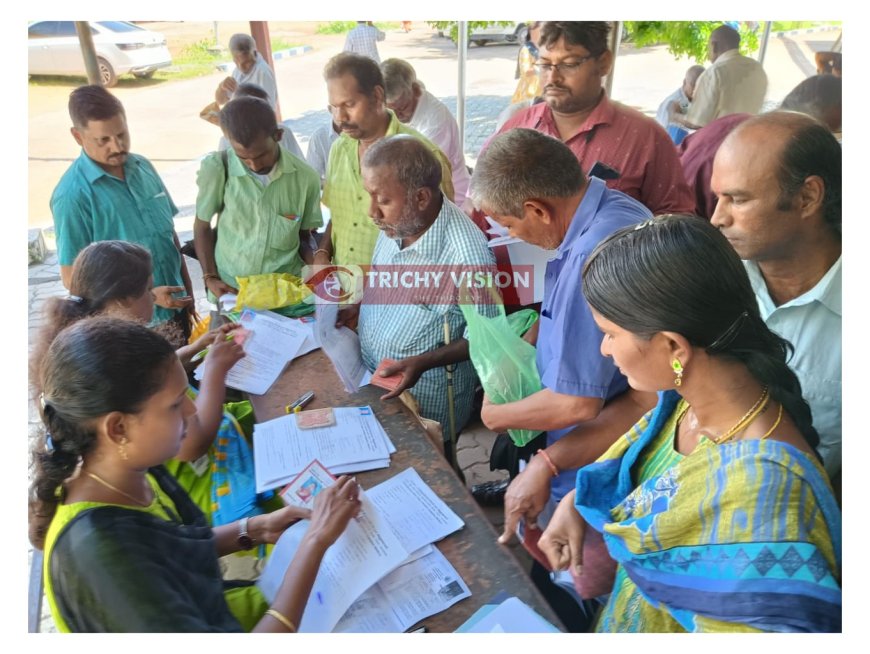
(744, 536)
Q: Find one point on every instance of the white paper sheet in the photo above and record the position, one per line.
(512, 616)
(363, 554)
(356, 442)
(408, 594)
(342, 347)
(413, 511)
(274, 340)
(521, 253)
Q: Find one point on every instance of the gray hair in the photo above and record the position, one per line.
(412, 162)
(521, 164)
(399, 77)
(242, 43)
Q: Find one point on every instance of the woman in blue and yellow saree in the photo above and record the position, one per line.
(715, 505)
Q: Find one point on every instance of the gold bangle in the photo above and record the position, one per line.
(282, 619)
(325, 251)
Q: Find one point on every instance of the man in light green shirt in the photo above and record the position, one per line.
(267, 198)
(357, 99)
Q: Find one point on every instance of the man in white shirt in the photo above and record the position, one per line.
(733, 84)
(414, 105)
(778, 180)
(250, 68)
(683, 98)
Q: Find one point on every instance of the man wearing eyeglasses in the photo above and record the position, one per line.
(638, 156)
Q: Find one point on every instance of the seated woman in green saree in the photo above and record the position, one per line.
(126, 550)
(715, 505)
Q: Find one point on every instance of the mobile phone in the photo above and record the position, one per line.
(603, 171)
(419, 630)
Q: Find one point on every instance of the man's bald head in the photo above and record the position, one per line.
(803, 148)
(691, 79)
(722, 39)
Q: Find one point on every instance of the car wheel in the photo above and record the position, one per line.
(147, 75)
(479, 42)
(107, 73)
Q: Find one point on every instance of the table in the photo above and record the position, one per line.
(486, 566)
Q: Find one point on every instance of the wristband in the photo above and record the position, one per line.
(283, 619)
(549, 461)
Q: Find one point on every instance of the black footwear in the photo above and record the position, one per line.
(490, 493)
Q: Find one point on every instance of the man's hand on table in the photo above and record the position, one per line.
(410, 369)
(526, 497)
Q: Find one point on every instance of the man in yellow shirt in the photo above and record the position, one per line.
(357, 100)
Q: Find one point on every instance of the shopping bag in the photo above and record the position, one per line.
(280, 292)
(504, 362)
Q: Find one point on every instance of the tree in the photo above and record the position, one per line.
(452, 27)
(687, 38)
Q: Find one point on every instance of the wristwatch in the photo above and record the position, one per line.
(244, 540)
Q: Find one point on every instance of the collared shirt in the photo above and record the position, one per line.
(732, 84)
(663, 115)
(353, 232)
(318, 147)
(401, 330)
(260, 74)
(568, 356)
(363, 39)
(433, 120)
(813, 324)
(89, 205)
(624, 139)
(258, 225)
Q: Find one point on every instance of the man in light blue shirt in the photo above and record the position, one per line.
(533, 185)
(778, 181)
(682, 97)
(363, 39)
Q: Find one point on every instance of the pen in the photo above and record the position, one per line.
(201, 354)
(298, 403)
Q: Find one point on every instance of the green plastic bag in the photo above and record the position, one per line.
(504, 362)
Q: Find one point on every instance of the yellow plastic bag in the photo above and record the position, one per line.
(270, 291)
(199, 329)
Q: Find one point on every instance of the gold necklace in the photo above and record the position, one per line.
(102, 481)
(747, 418)
(775, 424)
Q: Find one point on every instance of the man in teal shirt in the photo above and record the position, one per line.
(267, 198)
(109, 193)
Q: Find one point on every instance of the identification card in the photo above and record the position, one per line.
(315, 418)
(305, 487)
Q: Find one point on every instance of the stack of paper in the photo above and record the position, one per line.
(356, 442)
(273, 342)
(382, 573)
(342, 347)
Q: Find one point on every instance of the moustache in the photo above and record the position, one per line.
(556, 87)
(118, 155)
(346, 126)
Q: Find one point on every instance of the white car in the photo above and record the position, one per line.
(510, 33)
(53, 49)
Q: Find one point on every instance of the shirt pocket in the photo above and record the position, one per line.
(825, 397)
(284, 232)
(158, 214)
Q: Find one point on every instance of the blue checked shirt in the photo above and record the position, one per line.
(398, 330)
(363, 39)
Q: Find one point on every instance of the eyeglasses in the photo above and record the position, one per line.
(564, 68)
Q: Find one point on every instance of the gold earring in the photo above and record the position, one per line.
(122, 448)
(678, 371)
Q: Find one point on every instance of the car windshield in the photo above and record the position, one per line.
(119, 26)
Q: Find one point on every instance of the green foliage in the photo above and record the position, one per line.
(451, 27)
(787, 25)
(279, 43)
(687, 38)
(342, 26)
(201, 52)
